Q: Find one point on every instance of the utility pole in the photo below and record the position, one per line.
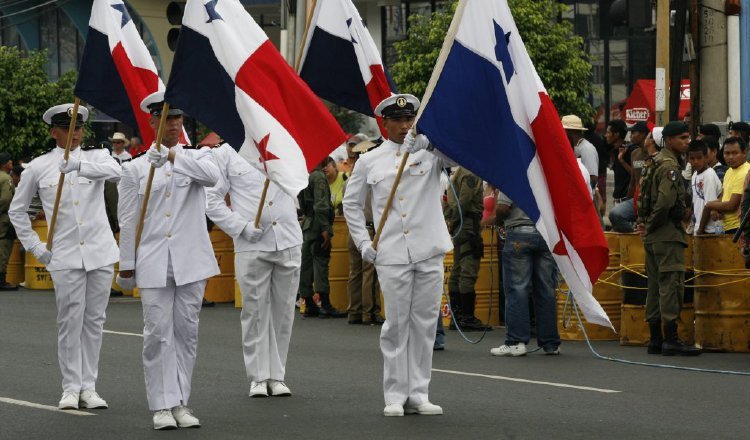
(662, 62)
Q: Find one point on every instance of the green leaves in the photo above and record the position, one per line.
(25, 94)
(557, 54)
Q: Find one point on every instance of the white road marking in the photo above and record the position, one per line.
(122, 333)
(45, 407)
(536, 382)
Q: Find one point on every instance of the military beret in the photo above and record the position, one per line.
(397, 106)
(640, 126)
(674, 128)
(60, 115)
(154, 103)
(4, 158)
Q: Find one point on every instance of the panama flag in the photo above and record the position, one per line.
(489, 111)
(340, 61)
(228, 75)
(117, 70)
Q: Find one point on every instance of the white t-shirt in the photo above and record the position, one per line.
(590, 158)
(586, 177)
(706, 187)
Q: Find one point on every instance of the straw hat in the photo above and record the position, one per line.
(120, 137)
(573, 122)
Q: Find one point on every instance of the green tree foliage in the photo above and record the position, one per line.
(349, 120)
(557, 54)
(25, 94)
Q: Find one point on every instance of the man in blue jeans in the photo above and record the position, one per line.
(528, 267)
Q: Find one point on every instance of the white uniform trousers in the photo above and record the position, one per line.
(411, 293)
(170, 341)
(268, 282)
(82, 299)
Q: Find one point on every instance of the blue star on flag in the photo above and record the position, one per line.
(124, 11)
(349, 25)
(501, 51)
(211, 10)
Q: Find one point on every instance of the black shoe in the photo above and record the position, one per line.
(354, 321)
(207, 303)
(375, 320)
(311, 309)
(5, 287)
(656, 339)
(331, 312)
(672, 346)
(114, 293)
(472, 324)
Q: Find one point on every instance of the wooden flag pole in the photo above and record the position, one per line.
(389, 202)
(151, 171)
(61, 181)
(308, 20)
(262, 202)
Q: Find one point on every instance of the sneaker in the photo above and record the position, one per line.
(438, 347)
(258, 389)
(90, 399)
(163, 419)
(425, 409)
(278, 388)
(552, 352)
(185, 418)
(69, 400)
(509, 350)
(393, 410)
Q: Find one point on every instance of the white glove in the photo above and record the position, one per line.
(158, 156)
(126, 283)
(72, 164)
(412, 143)
(251, 233)
(42, 254)
(368, 252)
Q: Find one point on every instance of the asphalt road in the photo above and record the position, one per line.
(335, 373)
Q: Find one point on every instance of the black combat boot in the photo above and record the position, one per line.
(469, 323)
(654, 344)
(311, 309)
(326, 309)
(456, 310)
(672, 346)
(4, 286)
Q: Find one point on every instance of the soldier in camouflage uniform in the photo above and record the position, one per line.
(317, 231)
(7, 233)
(662, 208)
(468, 248)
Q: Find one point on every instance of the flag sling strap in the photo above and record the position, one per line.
(61, 181)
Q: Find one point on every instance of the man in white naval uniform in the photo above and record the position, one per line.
(409, 258)
(266, 264)
(172, 262)
(83, 253)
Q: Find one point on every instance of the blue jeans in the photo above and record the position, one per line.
(622, 216)
(528, 268)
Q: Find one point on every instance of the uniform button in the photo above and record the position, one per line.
(421, 172)
(80, 223)
(274, 223)
(169, 214)
(81, 242)
(169, 235)
(403, 215)
(401, 199)
(76, 202)
(169, 174)
(270, 203)
(398, 153)
(167, 194)
(406, 231)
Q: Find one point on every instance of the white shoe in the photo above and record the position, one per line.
(90, 399)
(278, 388)
(69, 400)
(393, 410)
(185, 418)
(163, 419)
(258, 389)
(509, 350)
(425, 409)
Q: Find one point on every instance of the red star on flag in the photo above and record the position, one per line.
(265, 155)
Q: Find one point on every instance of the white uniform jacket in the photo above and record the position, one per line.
(83, 238)
(175, 223)
(415, 229)
(281, 229)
